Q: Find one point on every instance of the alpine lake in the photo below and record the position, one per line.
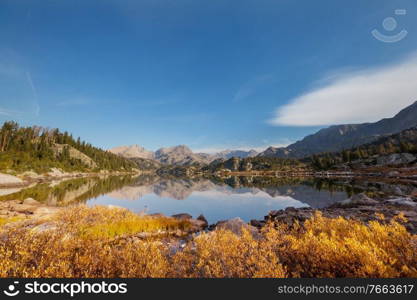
(216, 198)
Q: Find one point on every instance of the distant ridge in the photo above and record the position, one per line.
(339, 137)
(178, 155)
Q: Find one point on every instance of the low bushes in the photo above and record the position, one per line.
(81, 244)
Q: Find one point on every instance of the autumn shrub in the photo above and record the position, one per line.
(105, 222)
(55, 254)
(326, 247)
(224, 254)
(80, 242)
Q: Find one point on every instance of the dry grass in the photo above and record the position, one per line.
(79, 246)
(103, 222)
(4, 221)
(345, 248)
(224, 254)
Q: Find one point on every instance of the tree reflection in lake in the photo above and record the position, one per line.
(245, 197)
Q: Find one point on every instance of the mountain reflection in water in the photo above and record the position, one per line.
(217, 199)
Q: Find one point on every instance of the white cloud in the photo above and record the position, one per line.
(354, 97)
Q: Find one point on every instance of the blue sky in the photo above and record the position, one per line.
(210, 74)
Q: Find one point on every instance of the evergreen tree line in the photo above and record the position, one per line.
(403, 142)
(32, 148)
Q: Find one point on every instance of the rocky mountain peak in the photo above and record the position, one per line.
(133, 151)
(180, 149)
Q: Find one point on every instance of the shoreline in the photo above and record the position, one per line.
(392, 173)
(359, 207)
(26, 180)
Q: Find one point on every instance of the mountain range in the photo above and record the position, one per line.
(332, 139)
(178, 155)
(340, 137)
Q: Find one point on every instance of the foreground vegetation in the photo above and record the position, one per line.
(82, 242)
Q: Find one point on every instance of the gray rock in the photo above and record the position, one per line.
(197, 225)
(395, 159)
(157, 215)
(182, 216)
(355, 200)
(235, 225)
(45, 211)
(31, 201)
(403, 201)
(203, 219)
(291, 209)
(6, 179)
(24, 208)
(393, 174)
(257, 224)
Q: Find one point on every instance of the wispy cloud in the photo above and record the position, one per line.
(34, 93)
(354, 96)
(18, 97)
(249, 88)
(74, 102)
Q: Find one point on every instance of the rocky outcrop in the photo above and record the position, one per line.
(403, 201)
(26, 208)
(144, 164)
(361, 209)
(395, 159)
(236, 225)
(203, 219)
(182, 216)
(75, 154)
(233, 164)
(355, 200)
(196, 224)
(9, 180)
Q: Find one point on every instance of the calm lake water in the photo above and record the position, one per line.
(244, 197)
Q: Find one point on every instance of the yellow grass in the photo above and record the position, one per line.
(4, 221)
(78, 247)
(104, 222)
